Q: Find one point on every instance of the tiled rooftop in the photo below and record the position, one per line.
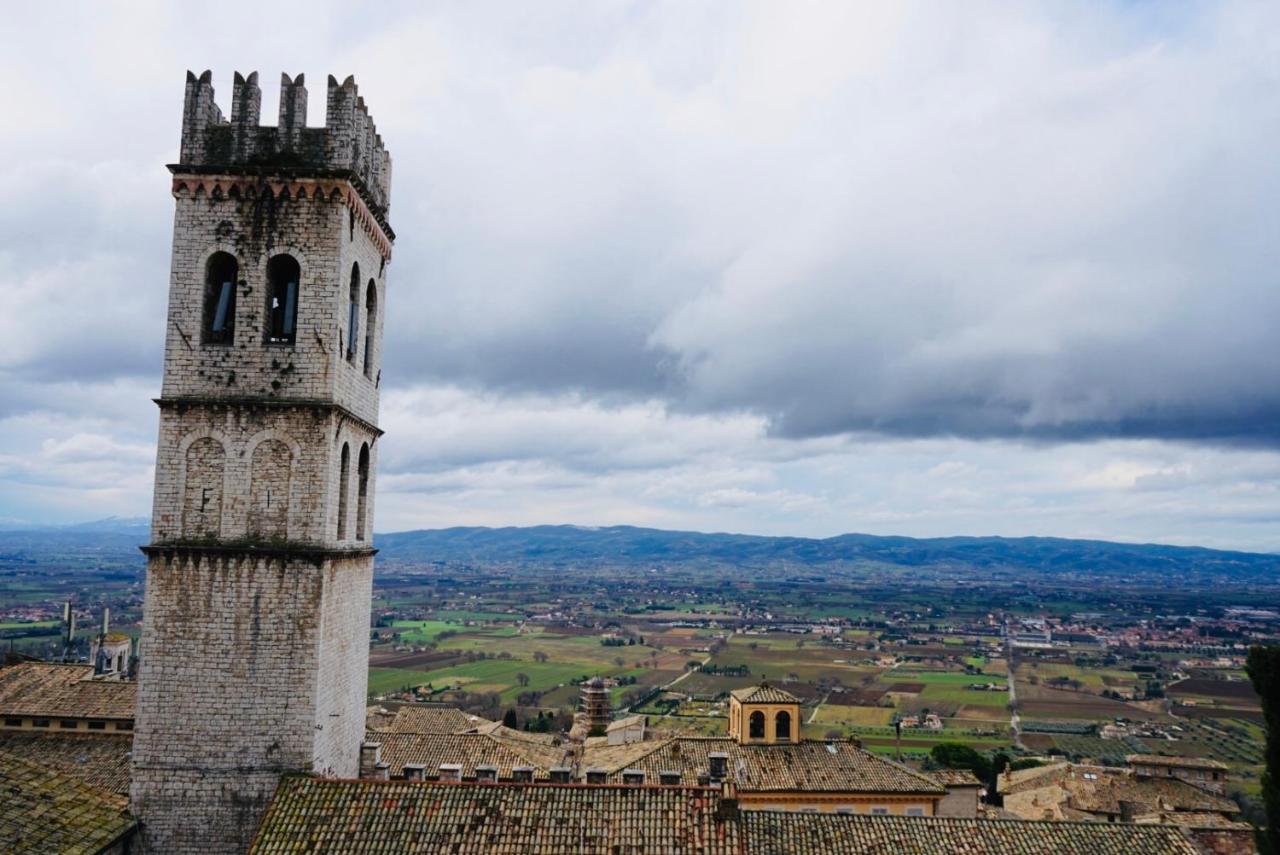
(764, 694)
(318, 816)
(811, 834)
(809, 765)
(50, 690)
(1177, 762)
(955, 778)
(1065, 789)
(101, 760)
(43, 811)
(375, 817)
(500, 747)
(417, 719)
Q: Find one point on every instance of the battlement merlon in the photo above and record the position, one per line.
(349, 142)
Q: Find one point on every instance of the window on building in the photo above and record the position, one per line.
(218, 325)
(68, 724)
(353, 313)
(344, 484)
(880, 811)
(40, 722)
(362, 490)
(283, 275)
(756, 725)
(782, 726)
(13, 722)
(124, 725)
(844, 810)
(370, 319)
(97, 725)
(915, 811)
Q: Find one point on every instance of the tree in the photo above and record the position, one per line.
(510, 720)
(523, 679)
(539, 656)
(618, 660)
(957, 755)
(1263, 668)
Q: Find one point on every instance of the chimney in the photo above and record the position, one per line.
(415, 771)
(370, 757)
(596, 776)
(1128, 810)
(450, 772)
(487, 774)
(561, 774)
(382, 771)
(523, 774)
(669, 778)
(728, 807)
(633, 777)
(718, 765)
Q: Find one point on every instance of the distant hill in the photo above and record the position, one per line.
(115, 541)
(623, 545)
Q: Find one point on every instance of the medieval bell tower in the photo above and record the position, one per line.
(256, 627)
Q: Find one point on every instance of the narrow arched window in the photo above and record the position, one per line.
(344, 484)
(218, 325)
(757, 725)
(370, 320)
(362, 491)
(782, 727)
(353, 313)
(283, 274)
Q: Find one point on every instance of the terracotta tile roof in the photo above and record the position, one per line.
(1178, 762)
(955, 778)
(808, 765)
(800, 833)
(417, 719)
(502, 747)
(764, 694)
(45, 811)
(376, 817)
(49, 690)
(1065, 787)
(100, 760)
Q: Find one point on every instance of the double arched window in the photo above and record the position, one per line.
(283, 274)
(218, 325)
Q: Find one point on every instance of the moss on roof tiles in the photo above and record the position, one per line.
(43, 811)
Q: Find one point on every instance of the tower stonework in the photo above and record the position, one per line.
(255, 642)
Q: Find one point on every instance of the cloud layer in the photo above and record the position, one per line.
(893, 267)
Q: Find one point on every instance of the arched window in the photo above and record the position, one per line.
(283, 274)
(219, 323)
(371, 318)
(344, 482)
(362, 490)
(757, 725)
(202, 493)
(782, 727)
(353, 313)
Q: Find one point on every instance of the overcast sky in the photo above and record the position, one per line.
(925, 269)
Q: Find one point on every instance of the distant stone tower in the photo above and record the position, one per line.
(255, 642)
(595, 704)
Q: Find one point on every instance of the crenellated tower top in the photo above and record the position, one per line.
(348, 145)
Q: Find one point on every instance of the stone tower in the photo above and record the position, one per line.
(255, 642)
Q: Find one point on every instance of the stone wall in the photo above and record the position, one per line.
(252, 665)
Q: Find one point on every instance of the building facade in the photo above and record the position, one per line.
(254, 650)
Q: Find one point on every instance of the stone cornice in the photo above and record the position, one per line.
(269, 403)
(301, 183)
(311, 553)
